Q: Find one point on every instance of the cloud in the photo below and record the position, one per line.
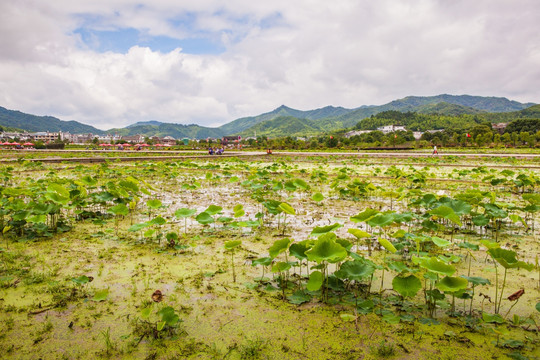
(344, 53)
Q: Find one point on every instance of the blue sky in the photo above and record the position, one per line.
(111, 63)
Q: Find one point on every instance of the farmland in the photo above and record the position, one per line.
(289, 256)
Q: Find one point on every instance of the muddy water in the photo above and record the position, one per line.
(222, 319)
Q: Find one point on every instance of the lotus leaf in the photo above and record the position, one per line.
(440, 242)
(204, 218)
(364, 215)
(315, 281)
(355, 270)
(452, 284)
(264, 261)
(475, 280)
(407, 286)
(326, 249)
(436, 266)
(507, 258)
(298, 250)
(359, 233)
(101, 295)
(184, 213)
(154, 203)
(120, 209)
(286, 208)
(492, 318)
(229, 245)
(279, 246)
(281, 266)
(387, 245)
(298, 297)
(213, 210)
(317, 197)
(320, 230)
(381, 220)
(446, 212)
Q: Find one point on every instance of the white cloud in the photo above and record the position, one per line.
(343, 53)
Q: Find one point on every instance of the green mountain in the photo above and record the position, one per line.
(444, 108)
(423, 103)
(283, 126)
(240, 125)
(532, 112)
(177, 131)
(33, 123)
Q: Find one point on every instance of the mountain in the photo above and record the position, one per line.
(240, 125)
(444, 108)
(33, 123)
(283, 126)
(177, 131)
(143, 123)
(532, 112)
(423, 103)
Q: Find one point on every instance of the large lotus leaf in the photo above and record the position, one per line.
(301, 184)
(320, 230)
(168, 316)
(452, 284)
(184, 213)
(287, 209)
(299, 297)
(37, 219)
(88, 180)
(272, 206)
(154, 203)
(129, 185)
(317, 197)
(345, 243)
(298, 250)
(138, 227)
(476, 280)
(359, 233)
(101, 295)
(278, 247)
(381, 220)
(355, 270)
(533, 199)
(446, 212)
(57, 193)
(120, 209)
(229, 245)
(538, 306)
(264, 261)
(480, 220)
(489, 244)
(407, 286)
(403, 217)
(364, 215)
(281, 266)
(326, 249)
(290, 186)
(315, 281)
(460, 207)
(507, 258)
(440, 242)
(495, 211)
(437, 266)
(158, 220)
(387, 245)
(492, 318)
(204, 218)
(213, 209)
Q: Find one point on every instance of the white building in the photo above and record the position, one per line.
(391, 128)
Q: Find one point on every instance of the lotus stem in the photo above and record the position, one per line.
(502, 290)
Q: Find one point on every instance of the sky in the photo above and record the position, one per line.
(111, 63)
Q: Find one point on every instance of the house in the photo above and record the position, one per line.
(500, 127)
(391, 128)
(230, 139)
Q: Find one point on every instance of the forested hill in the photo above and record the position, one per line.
(33, 123)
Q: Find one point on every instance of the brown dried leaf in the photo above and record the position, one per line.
(157, 296)
(516, 295)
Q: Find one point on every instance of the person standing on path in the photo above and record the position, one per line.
(435, 150)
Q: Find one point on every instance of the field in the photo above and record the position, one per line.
(284, 256)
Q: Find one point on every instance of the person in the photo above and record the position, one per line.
(210, 151)
(268, 151)
(435, 150)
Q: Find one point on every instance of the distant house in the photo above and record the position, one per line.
(500, 127)
(356, 132)
(168, 140)
(135, 139)
(391, 128)
(230, 139)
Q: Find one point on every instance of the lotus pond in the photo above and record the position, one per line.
(273, 257)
